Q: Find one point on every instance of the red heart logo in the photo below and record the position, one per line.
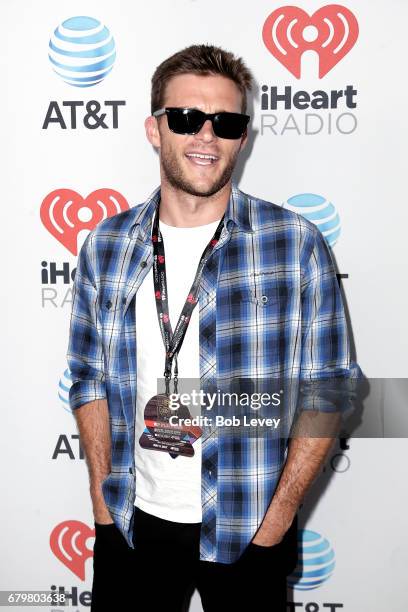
(334, 33)
(64, 213)
(67, 542)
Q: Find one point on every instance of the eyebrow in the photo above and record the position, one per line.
(200, 109)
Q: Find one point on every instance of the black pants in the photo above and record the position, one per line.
(162, 571)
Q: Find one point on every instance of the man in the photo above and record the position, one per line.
(201, 506)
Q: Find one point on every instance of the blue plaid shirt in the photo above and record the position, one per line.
(269, 308)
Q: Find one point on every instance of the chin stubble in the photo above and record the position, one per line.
(175, 176)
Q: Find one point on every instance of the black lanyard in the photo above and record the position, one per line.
(173, 340)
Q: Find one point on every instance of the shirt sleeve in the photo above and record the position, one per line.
(327, 374)
(85, 354)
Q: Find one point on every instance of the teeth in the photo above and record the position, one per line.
(200, 156)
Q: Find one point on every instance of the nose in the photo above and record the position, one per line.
(206, 134)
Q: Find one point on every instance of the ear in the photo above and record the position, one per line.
(244, 140)
(152, 131)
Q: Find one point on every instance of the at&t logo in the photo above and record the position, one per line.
(64, 386)
(318, 210)
(82, 51)
(316, 563)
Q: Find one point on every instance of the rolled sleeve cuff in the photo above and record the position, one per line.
(331, 394)
(84, 391)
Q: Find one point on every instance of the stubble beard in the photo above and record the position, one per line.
(177, 179)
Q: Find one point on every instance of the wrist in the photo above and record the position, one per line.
(103, 518)
(281, 512)
(100, 510)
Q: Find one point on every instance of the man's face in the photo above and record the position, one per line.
(178, 153)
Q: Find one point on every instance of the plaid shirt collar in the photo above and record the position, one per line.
(238, 211)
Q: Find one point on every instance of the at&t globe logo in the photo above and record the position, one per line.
(82, 51)
(319, 211)
(316, 561)
(64, 386)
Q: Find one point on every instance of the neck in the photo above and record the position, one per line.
(182, 209)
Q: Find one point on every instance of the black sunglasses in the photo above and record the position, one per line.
(191, 120)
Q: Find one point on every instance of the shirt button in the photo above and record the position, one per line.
(143, 264)
(210, 473)
(264, 299)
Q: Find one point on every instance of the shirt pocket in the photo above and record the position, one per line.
(264, 296)
(253, 327)
(264, 300)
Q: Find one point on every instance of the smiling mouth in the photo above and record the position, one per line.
(202, 159)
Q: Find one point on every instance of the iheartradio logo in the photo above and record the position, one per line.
(289, 31)
(65, 213)
(68, 543)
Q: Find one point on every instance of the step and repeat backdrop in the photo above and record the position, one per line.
(328, 140)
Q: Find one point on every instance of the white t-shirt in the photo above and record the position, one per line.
(166, 487)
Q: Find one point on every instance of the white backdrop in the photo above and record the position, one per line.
(357, 509)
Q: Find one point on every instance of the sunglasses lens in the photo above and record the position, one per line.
(191, 120)
(230, 125)
(185, 120)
